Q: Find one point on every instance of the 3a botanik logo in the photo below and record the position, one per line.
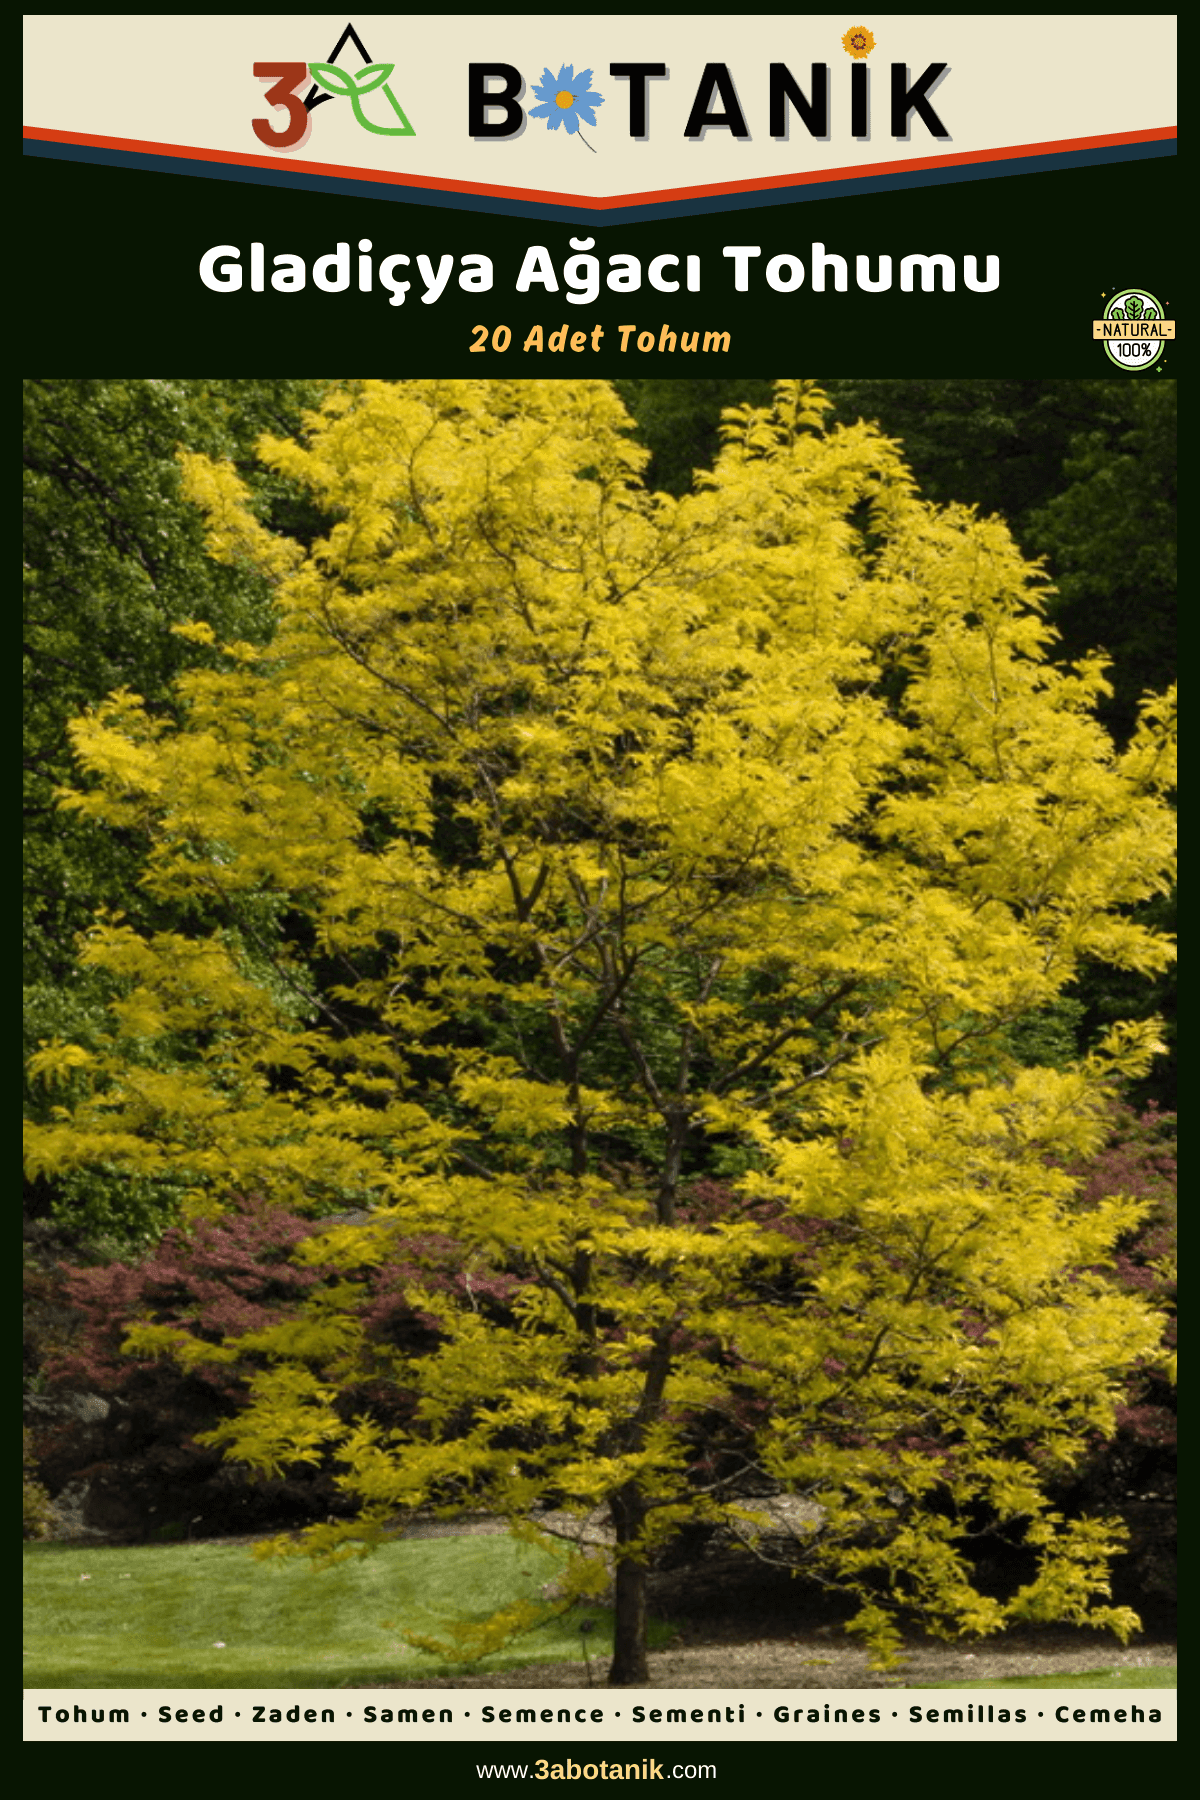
(496, 88)
(569, 98)
(330, 81)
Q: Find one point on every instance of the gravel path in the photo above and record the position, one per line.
(825, 1661)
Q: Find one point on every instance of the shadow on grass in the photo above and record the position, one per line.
(208, 1615)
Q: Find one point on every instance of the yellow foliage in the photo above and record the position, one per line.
(233, 531)
(623, 831)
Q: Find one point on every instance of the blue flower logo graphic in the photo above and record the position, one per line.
(566, 99)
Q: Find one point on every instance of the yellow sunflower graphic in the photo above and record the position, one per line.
(858, 42)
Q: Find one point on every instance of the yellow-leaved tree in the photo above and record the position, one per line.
(570, 841)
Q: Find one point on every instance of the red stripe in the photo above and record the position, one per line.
(855, 172)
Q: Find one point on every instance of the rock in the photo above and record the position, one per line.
(65, 1409)
(357, 1215)
(779, 1516)
(67, 1514)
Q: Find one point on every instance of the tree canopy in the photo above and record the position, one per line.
(1084, 475)
(568, 840)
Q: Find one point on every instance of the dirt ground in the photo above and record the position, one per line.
(746, 1626)
(824, 1662)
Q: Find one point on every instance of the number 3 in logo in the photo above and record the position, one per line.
(283, 94)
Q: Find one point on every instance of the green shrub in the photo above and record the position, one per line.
(35, 1501)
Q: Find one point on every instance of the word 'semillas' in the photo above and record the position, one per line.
(717, 105)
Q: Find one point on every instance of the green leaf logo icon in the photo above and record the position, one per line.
(345, 86)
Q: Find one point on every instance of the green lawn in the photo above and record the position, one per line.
(154, 1616)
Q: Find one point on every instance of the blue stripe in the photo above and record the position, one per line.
(445, 200)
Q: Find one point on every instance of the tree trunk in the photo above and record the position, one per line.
(629, 1666)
